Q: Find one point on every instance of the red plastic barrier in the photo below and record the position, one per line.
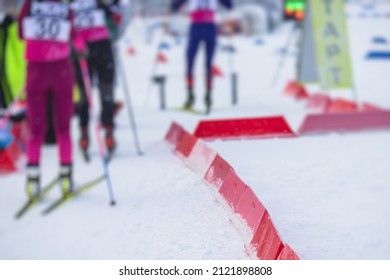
(295, 90)
(344, 122)
(288, 254)
(175, 132)
(368, 107)
(264, 127)
(201, 157)
(340, 105)
(186, 144)
(9, 158)
(232, 188)
(217, 171)
(319, 102)
(266, 240)
(250, 209)
(241, 198)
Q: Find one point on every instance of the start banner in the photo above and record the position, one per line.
(331, 43)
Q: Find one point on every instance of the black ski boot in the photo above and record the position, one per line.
(84, 143)
(208, 101)
(110, 141)
(66, 182)
(33, 186)
(190, 100)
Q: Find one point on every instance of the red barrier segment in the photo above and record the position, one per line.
(368, 107)
(232, 188)
(295, 90)
(264, 127)
(201, 157)
(217, 171)
(250, 209)
(186, 144)
(340, 105)
(345, 122)
(266, 240)
(288, 254)
(9, 158)
(319, 102)
(174, 133)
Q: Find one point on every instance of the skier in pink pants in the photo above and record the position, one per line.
(47, 28)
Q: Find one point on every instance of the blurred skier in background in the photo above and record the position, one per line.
(203, 30)
(92, 18)
(47, 28)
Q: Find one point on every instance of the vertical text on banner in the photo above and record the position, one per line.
(331, 43)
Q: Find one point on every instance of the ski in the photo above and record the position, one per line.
(33, 201)
(190, 111)
(72, 195)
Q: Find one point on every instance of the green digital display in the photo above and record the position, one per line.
(295, 8)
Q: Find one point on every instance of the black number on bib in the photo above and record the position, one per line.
(54, 29)
(47, 28)
(40, 32)
(90, 19)
(85, 19)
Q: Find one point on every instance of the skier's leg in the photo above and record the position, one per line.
(82, 105)
(192, 50)
(37, 95)
(106, 77)
(63, 111)
(211, 36)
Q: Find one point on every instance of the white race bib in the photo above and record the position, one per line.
(203, 5)
(46, 28)
(90, 19)
(82, 5)
(53, 9)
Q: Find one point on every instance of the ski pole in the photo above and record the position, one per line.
(129, 106)
(88, 89)
(233, 73)
(284, 54)
(8, 111)
(156, 63)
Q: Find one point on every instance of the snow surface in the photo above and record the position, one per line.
(327, 195)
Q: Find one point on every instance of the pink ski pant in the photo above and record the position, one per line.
(49, 84)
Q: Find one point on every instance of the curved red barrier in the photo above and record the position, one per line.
(242, 200)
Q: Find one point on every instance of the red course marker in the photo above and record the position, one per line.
(345, 122)
(174, 133)
(288, 254)
(263, 127)
(266, 240)
(217, 171)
